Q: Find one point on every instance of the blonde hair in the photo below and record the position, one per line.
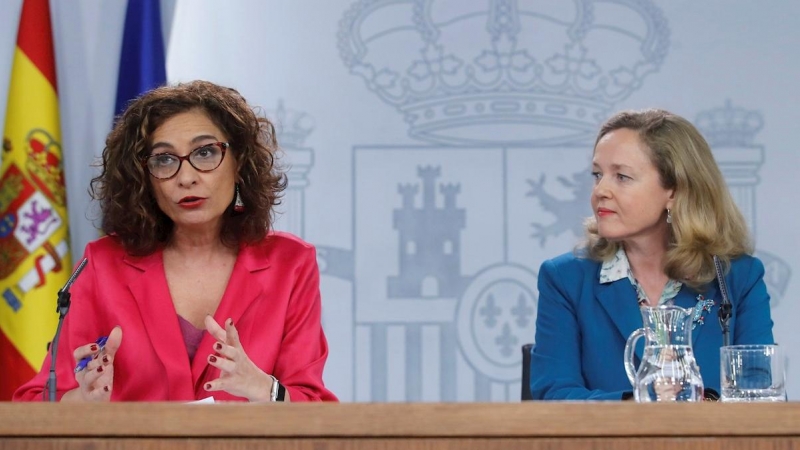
(705, 219)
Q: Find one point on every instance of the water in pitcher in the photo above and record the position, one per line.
(668, 373)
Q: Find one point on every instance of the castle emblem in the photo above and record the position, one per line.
(430, 255)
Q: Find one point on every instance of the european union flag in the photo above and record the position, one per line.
(141, 64)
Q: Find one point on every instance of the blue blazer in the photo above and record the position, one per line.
(582, 326)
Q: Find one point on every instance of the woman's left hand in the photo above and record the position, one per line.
(239, 375)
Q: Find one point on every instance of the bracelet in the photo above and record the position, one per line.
(277, 392)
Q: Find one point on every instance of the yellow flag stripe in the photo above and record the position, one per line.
(32, 103)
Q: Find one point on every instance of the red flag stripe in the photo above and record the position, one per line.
(35, 37)
(14, 370)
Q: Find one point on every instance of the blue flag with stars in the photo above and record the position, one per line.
(142, 64)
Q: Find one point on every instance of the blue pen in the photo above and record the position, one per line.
(101, 343)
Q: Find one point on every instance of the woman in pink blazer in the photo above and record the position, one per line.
(195, 295)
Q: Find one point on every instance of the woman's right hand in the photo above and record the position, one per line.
(96, 381)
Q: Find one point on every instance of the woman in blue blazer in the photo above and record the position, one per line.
(661, 211)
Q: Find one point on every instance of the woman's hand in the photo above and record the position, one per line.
(239, 376)
(96, 380)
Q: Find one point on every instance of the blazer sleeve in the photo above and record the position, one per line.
(752, 323)
(304, 348)
(556, 369)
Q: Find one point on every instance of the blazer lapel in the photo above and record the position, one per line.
(244, 287)
(619, 300)
(151, 292)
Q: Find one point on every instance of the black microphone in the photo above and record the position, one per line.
(725, 308)
(62, 309)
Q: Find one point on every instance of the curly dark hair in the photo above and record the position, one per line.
(124, 187)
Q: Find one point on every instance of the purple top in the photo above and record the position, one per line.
(191, 336)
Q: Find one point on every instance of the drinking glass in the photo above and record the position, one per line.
(752, 373)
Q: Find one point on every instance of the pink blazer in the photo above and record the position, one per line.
(272, 296)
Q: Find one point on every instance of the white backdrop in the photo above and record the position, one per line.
(420, 137)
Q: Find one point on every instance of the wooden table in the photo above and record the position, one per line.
(468, 426)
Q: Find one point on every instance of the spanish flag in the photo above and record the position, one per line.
(34, 250)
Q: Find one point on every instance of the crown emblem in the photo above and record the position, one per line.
(729, 126)
(500, 72)
(44, 164)
(292, 127)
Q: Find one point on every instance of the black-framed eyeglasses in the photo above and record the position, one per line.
(204, 159)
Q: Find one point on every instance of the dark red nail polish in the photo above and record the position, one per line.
(212, 358)
(208, 386)
(93, 347)
(218, 346)
(105, 359)
(105, 388)
(100, 369)
(230, 321)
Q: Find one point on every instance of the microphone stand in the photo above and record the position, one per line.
(62, 309)
(725, 308)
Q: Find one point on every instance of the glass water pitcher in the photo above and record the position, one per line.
(668, 371)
